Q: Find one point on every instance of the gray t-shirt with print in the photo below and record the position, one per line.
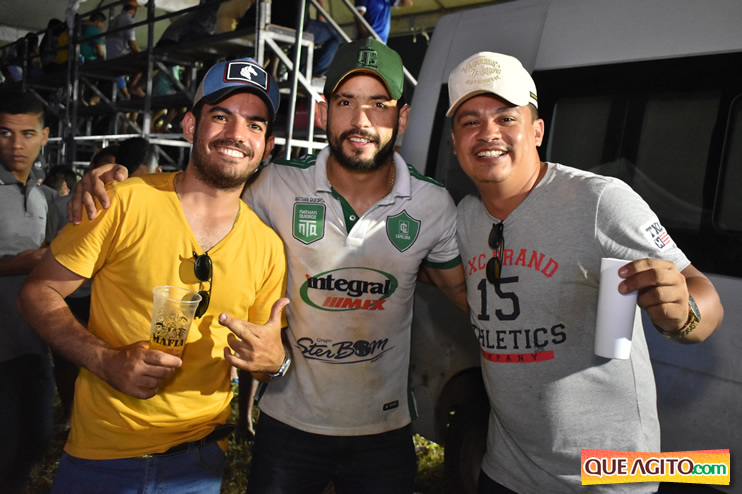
(551, 396)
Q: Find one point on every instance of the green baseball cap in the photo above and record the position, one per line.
(370, 56)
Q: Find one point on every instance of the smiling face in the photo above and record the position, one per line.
(22, 136)
(362, 123)
(229, 139)
(496, 142)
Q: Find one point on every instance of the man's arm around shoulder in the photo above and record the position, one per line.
(92, 186)
(451, 281)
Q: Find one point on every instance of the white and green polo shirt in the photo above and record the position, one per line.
(351, 282)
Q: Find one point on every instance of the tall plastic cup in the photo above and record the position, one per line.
(614, 326)
(172, 315)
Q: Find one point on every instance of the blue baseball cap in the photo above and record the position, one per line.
(231, 76)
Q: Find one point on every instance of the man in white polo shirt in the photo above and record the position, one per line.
(358, 223)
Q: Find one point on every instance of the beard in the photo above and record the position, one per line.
(218, 176)
(354, 161)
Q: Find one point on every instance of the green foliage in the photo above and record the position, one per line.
(430, 469)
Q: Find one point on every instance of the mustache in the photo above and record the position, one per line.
(233, 144)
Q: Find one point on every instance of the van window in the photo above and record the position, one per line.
(663, 133)
(667, 166)
(728, 212)
(579, 138)
(673, 152)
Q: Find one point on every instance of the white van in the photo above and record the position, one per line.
(646, 90)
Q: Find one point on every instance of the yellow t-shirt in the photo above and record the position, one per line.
(141, 241)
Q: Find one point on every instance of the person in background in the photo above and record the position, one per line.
(90, 50)
(11, 65)
(62, 179)
(93, 49)
(138, 156)
(122, 43)
(544, 228)
(48, 46)
(378, 13)
(26, 381)
(326, 40)
(33, 55)
(104, 156)
(191, 26)
(229, 14)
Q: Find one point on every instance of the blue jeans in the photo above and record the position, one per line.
(197, 470)
(323, 35)
(289, 461)
(26, 417)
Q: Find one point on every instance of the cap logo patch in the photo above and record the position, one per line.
(246, 72)
(481, 70)
(368, 58)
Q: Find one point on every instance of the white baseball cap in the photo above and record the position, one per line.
(495, 73)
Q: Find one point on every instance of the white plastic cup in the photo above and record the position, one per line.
(172, 315)
(614, 325)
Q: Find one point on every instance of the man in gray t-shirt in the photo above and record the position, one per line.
(26, 381)
(122, 42)
(532, 242)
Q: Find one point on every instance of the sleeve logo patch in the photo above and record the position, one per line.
(656, 234)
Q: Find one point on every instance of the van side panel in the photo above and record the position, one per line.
(579, 32)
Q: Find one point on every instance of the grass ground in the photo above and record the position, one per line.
(429, 478)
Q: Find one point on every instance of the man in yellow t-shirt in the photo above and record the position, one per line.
(144, 419)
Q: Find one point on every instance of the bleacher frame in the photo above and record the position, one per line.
(76, 121)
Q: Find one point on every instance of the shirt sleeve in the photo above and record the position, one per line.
(627, 228)
(274, 286)
(83, 248)
(255, 197)
(445, 253)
